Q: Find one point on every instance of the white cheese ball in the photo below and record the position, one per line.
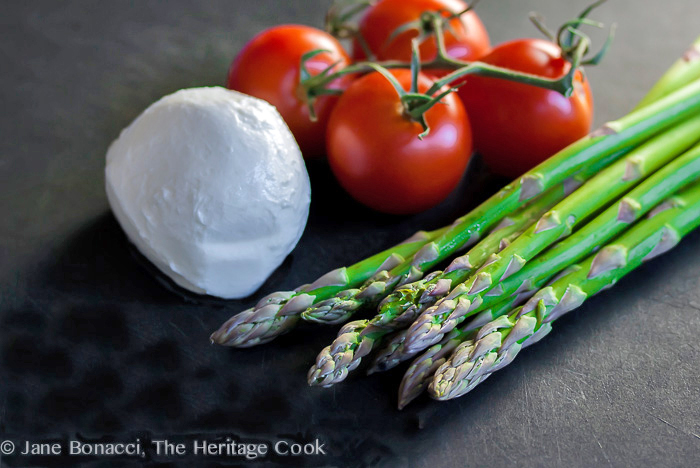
(209, 184)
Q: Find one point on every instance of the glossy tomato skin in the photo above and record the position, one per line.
(375, 153)
(517, 126)
(268, 68)
(468, 39)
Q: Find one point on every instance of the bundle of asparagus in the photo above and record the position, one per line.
(535, 229)
(667, 223)
(499, 341)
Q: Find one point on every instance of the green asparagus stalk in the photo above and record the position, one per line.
(421, 371)
(358, 338)
(558, 223)
(497, 343)
(278, 312)
(685, 70)
(612, 137)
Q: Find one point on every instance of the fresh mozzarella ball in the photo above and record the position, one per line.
(211, 187)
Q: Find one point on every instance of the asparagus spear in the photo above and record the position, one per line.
(431, 326)
(498, 342)
(683, 71)
(612, 137)
(278, 312)
(420, 372)
(357, 339)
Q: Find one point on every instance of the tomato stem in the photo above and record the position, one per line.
(569, 31)
(414, 103)
(314, 84)
(469, 8)
(338, 22)
(568, 41)
(575, 45)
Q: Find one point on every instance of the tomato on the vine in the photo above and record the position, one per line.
(375, 152)
(465, 39)
(268, 67)
(517, 126)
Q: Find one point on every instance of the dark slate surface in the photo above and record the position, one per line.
(94, 347)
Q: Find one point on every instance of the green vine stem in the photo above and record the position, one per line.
(338, 22)
(575, 46)
(415, 104)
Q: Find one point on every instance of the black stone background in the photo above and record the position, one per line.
(94, 347)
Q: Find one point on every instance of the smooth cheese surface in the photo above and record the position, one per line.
(211, 187)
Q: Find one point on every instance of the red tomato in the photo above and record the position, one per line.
(517, 126)
(268, 68)
(468, 39)
(375, 152)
